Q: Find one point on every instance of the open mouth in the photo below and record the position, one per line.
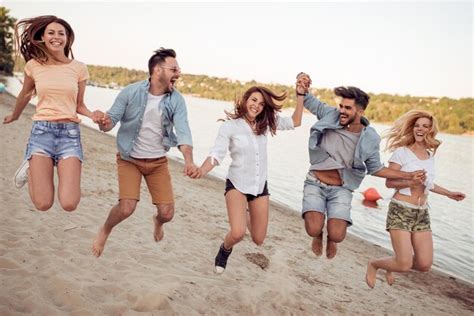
(55, 43)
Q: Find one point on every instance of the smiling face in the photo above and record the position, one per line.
(254, 106)
(167, 73)
(421, 128)
(55, 38)
(349, 112)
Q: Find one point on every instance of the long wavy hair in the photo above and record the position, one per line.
(401, 134)
(266, 120)
(28, 41)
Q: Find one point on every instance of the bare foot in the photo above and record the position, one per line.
(331, 249)
(317, 245)
(158, 233)
(371, 275)
(99, 242)
(389, 277)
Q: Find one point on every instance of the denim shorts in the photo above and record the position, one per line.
(54, 140)
(331, 200)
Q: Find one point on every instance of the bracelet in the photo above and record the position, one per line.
(302, 94)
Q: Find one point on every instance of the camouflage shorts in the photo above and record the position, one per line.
(403, 217)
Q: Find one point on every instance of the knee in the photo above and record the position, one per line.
(69, 206)
(237, 235)
(313, 228)
(165, 213)
(337, 237)
(126, 209)
(43, 205)
(258, 240)
(423, 266)
(405, 264)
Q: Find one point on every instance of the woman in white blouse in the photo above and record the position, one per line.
(244, 135)
(412, 140)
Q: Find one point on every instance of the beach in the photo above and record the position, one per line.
(46, 265)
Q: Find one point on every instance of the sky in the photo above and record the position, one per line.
(418, 48)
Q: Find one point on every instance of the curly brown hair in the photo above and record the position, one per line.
(267, 119)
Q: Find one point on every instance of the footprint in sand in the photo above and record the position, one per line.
(259, 259)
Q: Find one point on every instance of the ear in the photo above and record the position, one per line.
(157, 70)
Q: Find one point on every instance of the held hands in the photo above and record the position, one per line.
(303, 83)
(192, 171)
(97, 116)
(105, 122)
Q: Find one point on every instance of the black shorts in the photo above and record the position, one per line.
(230, 186)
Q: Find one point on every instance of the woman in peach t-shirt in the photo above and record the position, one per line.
(59, 82)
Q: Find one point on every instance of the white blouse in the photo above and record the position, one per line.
(248, 169)
(409, 162)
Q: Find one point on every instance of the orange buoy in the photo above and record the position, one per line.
(371, 194)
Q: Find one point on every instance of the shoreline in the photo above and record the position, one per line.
(47, 267)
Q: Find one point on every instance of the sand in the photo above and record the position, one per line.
(46, 265)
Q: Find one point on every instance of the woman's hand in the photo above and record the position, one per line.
(457, 196)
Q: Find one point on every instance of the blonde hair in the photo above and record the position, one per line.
(401, 134)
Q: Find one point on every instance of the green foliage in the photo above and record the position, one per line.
(454, 116)
(7, 24)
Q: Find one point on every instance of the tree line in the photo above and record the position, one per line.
(455, 116)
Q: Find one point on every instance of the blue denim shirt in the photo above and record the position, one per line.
(129, 108)
(366, 155)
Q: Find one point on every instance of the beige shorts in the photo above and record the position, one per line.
(156, 174)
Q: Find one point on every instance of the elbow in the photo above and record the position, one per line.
(296, 124)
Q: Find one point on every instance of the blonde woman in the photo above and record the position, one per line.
(413, 143)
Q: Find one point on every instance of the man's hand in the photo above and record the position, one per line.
(97, 116)
(303, 83)
(105, 123)
(418, 177)
(192, 171)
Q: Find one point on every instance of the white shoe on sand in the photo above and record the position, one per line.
(21, 175)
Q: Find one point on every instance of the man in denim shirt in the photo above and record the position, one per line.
(342, 148)
(148, 111)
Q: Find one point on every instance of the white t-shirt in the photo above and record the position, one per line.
(150, 137)
(248, 169)
(409, 162)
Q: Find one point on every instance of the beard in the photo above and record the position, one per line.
(349, 121)
(169, 87)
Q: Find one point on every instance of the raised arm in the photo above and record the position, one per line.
(22, 100)
(303, 82)
(311, 103)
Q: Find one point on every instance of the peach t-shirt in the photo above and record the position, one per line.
(56, 87)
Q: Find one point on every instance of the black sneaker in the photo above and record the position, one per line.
(221, 259)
